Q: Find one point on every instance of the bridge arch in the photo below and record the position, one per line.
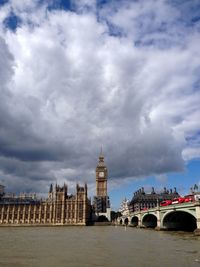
(149, 221)
(126, 221)
(179, 220)
(134, 221)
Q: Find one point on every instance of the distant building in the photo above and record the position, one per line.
(58, 209)
(142, 200)
(101, 203)
(125, 207)
(195, 192)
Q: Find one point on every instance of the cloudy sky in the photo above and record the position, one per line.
(77, 75)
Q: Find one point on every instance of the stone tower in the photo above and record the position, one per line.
(101, 200)
(101, 177)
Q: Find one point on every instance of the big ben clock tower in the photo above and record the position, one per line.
(101, 178)
(101, 200)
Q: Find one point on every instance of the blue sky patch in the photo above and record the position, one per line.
(12, 21)
(60, 4)
(2, 2)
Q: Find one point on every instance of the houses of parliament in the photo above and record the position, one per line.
(59, 208)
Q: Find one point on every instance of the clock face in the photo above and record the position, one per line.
(101, 174)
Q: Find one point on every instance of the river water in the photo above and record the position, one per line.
(96, 246)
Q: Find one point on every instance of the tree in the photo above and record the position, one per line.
(102, 218)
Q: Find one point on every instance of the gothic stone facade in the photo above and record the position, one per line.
(58, 209)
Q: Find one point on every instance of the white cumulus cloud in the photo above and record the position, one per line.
(127, 79)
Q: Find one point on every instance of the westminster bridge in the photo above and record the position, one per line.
(183, 216)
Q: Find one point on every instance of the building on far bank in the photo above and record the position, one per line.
(101, 203)
(58, 209)
(195, 192)
(125, 207)
(142, 200)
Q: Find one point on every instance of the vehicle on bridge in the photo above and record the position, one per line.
(178, 200)
(189, 198)
(165, 203)
(144, 209)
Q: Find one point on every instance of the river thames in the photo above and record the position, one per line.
(103, 246)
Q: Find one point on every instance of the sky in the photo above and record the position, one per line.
(78, 75)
